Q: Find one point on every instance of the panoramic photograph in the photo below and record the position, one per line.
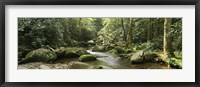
(99, 43)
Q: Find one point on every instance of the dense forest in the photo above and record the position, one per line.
(99, 43)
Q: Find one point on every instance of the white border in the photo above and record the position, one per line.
(187, 74)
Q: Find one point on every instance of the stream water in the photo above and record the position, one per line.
(108, 62)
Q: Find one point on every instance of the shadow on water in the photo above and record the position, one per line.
(108, 62)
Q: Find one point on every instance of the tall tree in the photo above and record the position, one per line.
(124, 35)
(167, 42)
(166, 27)
(130, 34)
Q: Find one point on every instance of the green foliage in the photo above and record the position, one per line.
(68, 35)
(119, 50)
(22, 51)
(175, 63)
(56, 32)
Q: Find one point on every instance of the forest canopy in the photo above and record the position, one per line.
(122, 37)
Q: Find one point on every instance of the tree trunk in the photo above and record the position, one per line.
(129, 36)
(166, 27)
(124, 35)
(168, 39)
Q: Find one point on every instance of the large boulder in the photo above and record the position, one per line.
(70, 52)
(85, 58)
(143, 57)
(75, 52)
(39, 55)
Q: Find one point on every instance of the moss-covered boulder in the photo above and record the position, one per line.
(137, 57)
(70, 52)
(75, 52)
(39, 55)
(143, 57)
(98, 49)
(88, 57)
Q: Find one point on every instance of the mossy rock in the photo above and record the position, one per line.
(75, 52)
(78, 65)
(137, 58)
(70, 52)
(88, 57)
(98, 49)
(40, 55)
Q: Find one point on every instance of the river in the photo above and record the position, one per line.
(108, 61)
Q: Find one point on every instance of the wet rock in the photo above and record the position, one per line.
(78, 65)
(88, 57)
(137, 57)
(44, 67)
(39, 55)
